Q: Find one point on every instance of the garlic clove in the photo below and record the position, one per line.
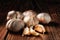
(40, 28)
(33, 32)
(26, 31)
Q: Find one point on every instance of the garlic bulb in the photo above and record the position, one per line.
(26, 31)
(33, 32)
(44, 17)
(11, 14)
(30, 18)
(15, 25)
(40, 28)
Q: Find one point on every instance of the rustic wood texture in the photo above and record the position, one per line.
(3, 32)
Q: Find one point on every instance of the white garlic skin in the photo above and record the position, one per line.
(11, 14)
(44, 17)
(15, 25)
(40, 28)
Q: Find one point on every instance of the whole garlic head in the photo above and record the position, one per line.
(15, 25)
(44, 17)
(33, 32)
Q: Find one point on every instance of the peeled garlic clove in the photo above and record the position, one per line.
(15, 25)
(33, 32)
(11, 14)
(44, 17)
(26, 31)
(40, 28)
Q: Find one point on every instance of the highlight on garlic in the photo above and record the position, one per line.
(11, 14)
(44, 17)
(40, 28)
(26, 31)
(33, 32)
(15, 25)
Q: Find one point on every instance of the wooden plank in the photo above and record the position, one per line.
(12, 36)
(50, 37)
(8, 37)
(3, 33)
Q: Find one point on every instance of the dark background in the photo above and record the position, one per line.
(22, 5)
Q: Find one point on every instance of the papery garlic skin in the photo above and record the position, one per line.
(15, 25)
(44, 17)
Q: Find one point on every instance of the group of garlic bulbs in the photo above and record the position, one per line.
(17, 21)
